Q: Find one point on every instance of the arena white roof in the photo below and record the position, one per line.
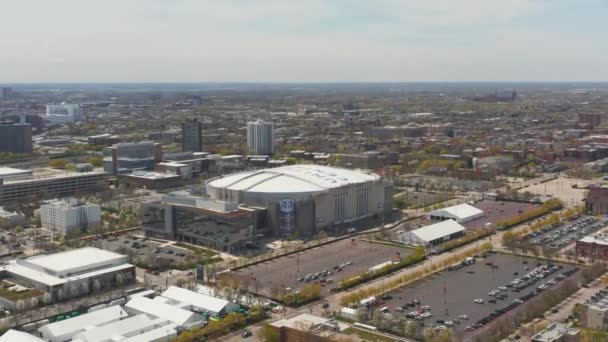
(293, 178)
(437, 230)
(74, 259)
(458, 212)
(18, 336)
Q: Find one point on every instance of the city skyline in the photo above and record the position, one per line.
(312, 41)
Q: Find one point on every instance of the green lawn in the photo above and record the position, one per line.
(14, 296)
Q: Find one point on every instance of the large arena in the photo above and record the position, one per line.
(306, 198)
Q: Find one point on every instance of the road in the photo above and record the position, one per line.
(564, 308)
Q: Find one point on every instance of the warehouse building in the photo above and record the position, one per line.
(306, 198)
(65, 330)
(199, 302)
(68, 274)
(460, 213)
(434, 234)
(18, 336)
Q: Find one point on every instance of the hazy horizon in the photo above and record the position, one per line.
(313, 41)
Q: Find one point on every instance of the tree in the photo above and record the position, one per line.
(96, 161)
(58, 163)
(268, 334)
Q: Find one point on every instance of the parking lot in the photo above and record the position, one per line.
(462, 297)
(144, 250)
(342, 259)
(564, 234)
(497, 211)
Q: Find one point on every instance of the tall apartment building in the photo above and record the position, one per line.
(260, 137)
(129, 157)
(63, 113)
(69, 216)
(192, 136)
(16, 138)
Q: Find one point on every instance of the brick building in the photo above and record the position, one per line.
(597, 200)
(593, 247)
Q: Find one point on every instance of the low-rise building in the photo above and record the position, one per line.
(461, 213)
(434, 234)
(557, 332)
(45, 183)
(200, 220)
(68, 274)
(10, 218)
(69, 216)
(593, 247)
(594, 315)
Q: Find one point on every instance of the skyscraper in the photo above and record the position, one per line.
(15, 137)
(260, 137)
(192, 136)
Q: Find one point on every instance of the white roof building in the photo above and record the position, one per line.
(57, 271)
(292, 179)
(157, 308)
(433, 234)
(460, 213)
(66, 329)
(120, 330)
(200, 302)
(18, 336)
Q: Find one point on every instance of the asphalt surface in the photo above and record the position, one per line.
(284, 272)
(452, 293)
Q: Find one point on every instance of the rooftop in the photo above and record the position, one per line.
(460, 211)
(204, 302)
(294, 178)
(74, 259)
(438, 230)
(18, 336)
(159, 309)
(72, 326)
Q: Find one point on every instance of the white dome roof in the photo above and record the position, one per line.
(292, 179)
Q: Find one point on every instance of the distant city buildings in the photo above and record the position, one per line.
(5, 93)
(128, 157)
(16, 137)
(103, 139)
(260, 137)
(63, 113)
(192, 136)
(69, 216)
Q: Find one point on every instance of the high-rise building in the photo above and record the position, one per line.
(63, 113)
(260, 137)
(192, 136)
(129, 157)
(69, 216)
(16, 138)
(5, 93)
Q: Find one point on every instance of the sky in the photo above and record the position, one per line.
(303, 40)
